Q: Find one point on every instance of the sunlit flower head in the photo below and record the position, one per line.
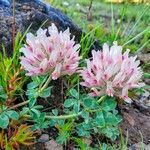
(56, 54)
(112, 73)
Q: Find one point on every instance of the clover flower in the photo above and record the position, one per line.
(111, 72)
(56, 54)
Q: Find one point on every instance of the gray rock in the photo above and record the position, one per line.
(43, 138)
(5, 2)
(52, 145)
(32, 12)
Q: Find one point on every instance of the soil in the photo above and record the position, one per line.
(136, 125)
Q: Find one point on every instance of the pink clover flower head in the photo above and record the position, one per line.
(111, 72)
(56, 54)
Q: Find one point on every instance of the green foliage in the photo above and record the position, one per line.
(33, 90)
(82, 115)
(11, 75)
(6, 115)
(64, 132)
(40, 121)
(81, 144)
(101, 117)
(95, 115)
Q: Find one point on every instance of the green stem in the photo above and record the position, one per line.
(101, 99)
(65, 116)
(60, 117)
(71, 115)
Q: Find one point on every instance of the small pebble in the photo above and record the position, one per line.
(43, 138)
(52, 145)
(139, 146)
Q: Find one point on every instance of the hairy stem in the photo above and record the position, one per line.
(71, 115)
(60, 116)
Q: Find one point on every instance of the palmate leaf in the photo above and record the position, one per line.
(13, 114)
(74, 93)
(110, 131)
(40, 121)
(46, 92)
(109, 104)
(88, 102)
(5, 116)
(112, 119)
(100, 120)
(69, 102)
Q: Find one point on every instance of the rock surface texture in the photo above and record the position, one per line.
(30, 12)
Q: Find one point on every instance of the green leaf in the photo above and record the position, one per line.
(111, 119)
(74, 93)
(55, 112)
(62, 138)
(4, 121)
(69, 102)
(81, 143)
(46, 92)
(39, 79)
(87, 102)
(61, 122)
(3, 96)
(111, 132)
(83, 130)
(109, 104)
(32, 85)
(32, 102)
(147, 75)
(37, 112)
(13, 114)
(76, 107)
(42, 117)
(100, 120)
(52, 122)
(85, 115)
(40, 120)
(24, 111)
(32, 93)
